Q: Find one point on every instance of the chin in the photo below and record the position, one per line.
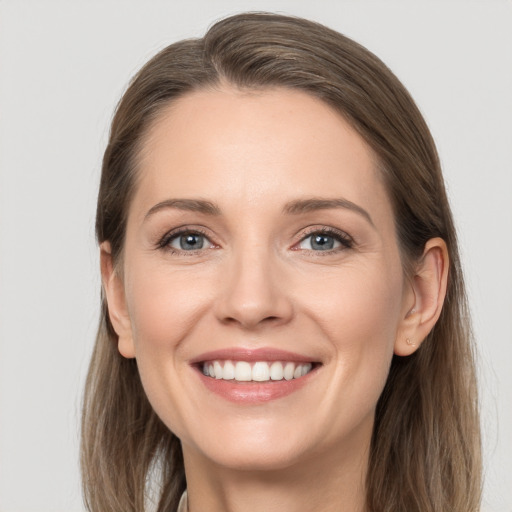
(250, 449)
(254, 458)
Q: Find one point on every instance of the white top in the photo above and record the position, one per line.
(183, 504)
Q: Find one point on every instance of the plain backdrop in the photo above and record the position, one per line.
(64, 65)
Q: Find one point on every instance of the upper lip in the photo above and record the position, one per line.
(247, 354)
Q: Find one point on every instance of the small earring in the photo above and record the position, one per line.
(410, 343)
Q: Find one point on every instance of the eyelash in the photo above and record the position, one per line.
(165, 241)
(343, 238)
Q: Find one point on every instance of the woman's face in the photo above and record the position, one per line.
(261, 244)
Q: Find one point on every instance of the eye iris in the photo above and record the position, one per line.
(191, 241)
(322, 242)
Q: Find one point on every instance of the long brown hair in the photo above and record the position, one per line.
(425, 452)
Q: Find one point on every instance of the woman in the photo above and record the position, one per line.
(284, 322)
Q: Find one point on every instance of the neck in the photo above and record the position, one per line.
(333, 481)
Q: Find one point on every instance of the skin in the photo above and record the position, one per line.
(258, 282)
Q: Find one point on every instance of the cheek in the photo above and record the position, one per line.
(165, 308)
(163, 305)
(358, 310)
(358, 305)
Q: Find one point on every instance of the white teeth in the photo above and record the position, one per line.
(243, 371)
(276, 371)
(229, 371)
(217, 368)
(306, 368)
(288, 371)
(260, 371)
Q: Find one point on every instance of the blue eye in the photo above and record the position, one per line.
(322, 242)
(187, 241)
(325, 241)
(319, 242)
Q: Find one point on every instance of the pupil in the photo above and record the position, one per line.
(322, 242)
(191, 242)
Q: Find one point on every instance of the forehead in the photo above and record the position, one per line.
(258, 147)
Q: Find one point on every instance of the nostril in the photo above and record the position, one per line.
(252, 321)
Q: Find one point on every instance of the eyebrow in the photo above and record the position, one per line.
(300, 206)
(296, 207)
(192, 205)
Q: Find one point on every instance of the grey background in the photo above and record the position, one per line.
(64, 65)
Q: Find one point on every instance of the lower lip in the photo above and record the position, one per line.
(254, 392)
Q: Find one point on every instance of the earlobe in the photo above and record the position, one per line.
(114, 293)
(428, 291)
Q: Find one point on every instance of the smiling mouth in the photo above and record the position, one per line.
(259, 371)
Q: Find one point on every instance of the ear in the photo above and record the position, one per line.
(113, 287)
(425, 297)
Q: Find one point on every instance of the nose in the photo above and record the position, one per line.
(254, 293)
